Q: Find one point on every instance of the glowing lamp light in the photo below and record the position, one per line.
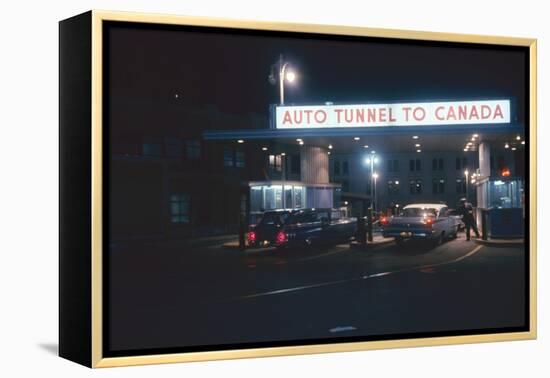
(290, 76)
(505, 172)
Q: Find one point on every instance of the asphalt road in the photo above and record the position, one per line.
(201, 294)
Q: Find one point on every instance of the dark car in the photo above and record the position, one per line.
(316, 226)
(264, 234)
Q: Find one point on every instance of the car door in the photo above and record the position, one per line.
(447, 223)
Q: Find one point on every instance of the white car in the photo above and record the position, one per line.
(422, 221)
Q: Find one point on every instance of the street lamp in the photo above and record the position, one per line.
(282, 73)
(466, 175)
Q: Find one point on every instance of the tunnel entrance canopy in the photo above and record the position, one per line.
(425, 139)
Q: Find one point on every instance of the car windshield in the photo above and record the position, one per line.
(418, 212)
(273, 218)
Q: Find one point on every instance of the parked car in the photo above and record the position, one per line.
(426, 221)
(264, 234)
(316, 226)
(453, 213)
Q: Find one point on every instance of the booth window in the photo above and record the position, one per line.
(193, 149)
(179, 208)
(415, 186)
(438, 186)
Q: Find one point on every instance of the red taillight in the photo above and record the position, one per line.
(429, 221)
(384, 221)
(281, 237)
(251, 237)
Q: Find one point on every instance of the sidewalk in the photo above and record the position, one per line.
(515, 242)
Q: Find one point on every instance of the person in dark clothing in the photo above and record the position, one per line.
(465, 209)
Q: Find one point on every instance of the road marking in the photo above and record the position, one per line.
(364, 277)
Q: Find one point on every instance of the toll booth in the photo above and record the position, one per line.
(288, 195)
(502, 210)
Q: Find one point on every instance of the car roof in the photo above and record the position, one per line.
(437, 206)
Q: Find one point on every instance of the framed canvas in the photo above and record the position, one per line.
(234, 189)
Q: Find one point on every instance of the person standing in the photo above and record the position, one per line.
(466, 210)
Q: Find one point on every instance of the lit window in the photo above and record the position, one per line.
(438, 186)
(393, 187)
(179, 208)
(193, 149)
(415, 186)
(275, 162)
(228, 160)
(239, 159)
(152, 147)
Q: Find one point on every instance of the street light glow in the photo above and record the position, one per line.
(290, 76)
(466, 173)
(375, 175)
(240, 141)
(356, 138)
(415, 136)
(264, 148)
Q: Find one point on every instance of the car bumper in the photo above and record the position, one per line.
(409, 234)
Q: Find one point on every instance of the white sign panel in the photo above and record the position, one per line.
(406, 114)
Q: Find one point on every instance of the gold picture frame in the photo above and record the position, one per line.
(94, 356)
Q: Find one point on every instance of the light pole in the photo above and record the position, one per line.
(371, 161)
(283, 74)
(466, 176)
(375, 176)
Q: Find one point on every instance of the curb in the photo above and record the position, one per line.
(500, 243)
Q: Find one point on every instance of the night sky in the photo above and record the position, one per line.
(229, 72)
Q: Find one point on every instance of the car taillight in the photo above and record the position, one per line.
(281, 237)
(384, 221)
(251, 237)
(429, 221)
